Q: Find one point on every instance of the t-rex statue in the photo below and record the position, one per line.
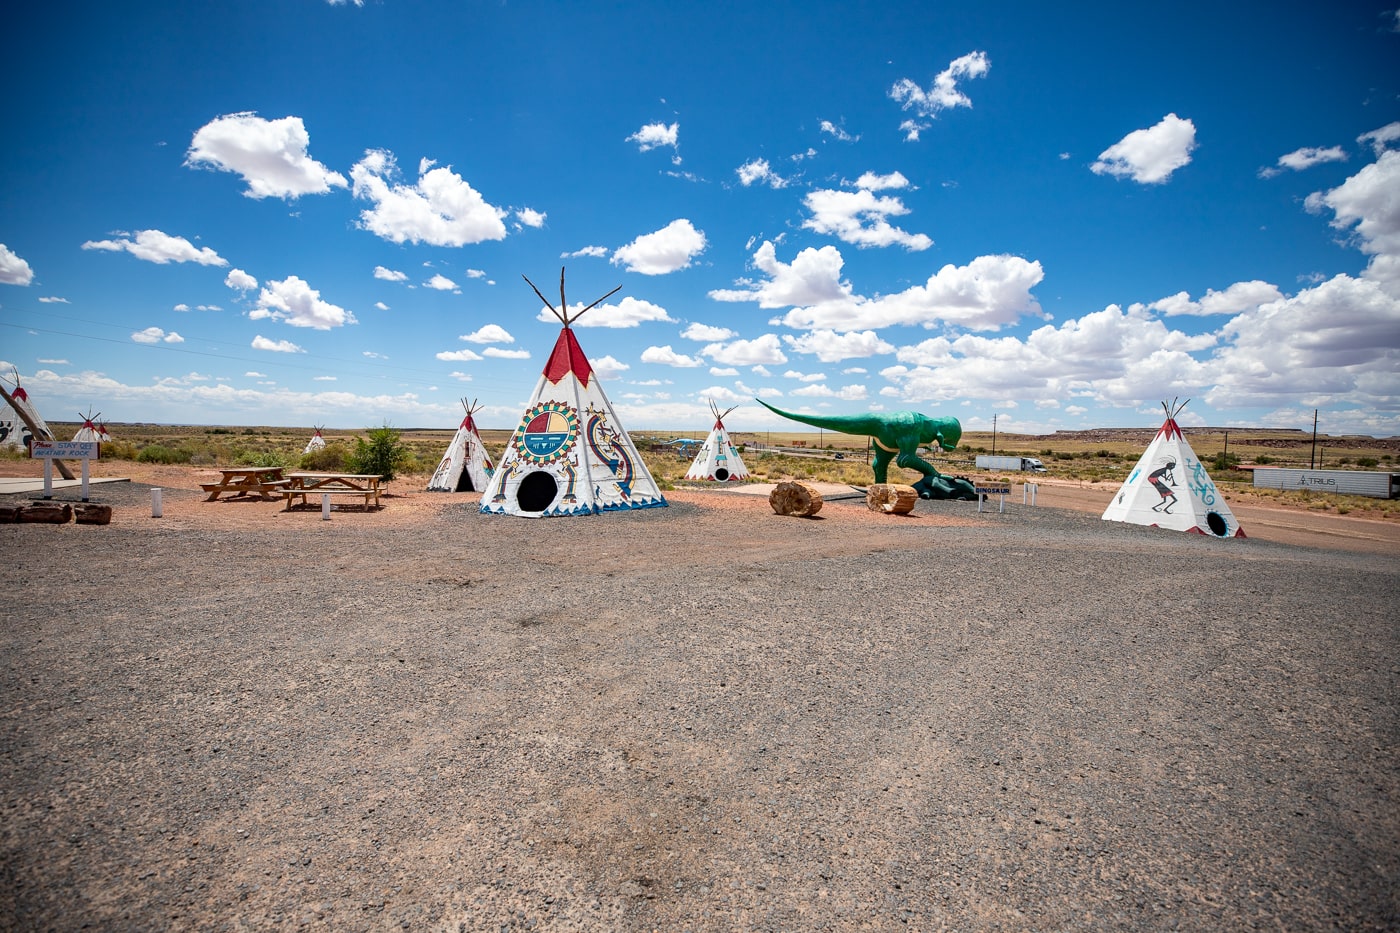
(898, 436)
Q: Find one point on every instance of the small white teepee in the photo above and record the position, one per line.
(317, 442)
(466, 467)
(90, 431)
(717, 459)
(1169, 488)
(569, 455)
(13, 431)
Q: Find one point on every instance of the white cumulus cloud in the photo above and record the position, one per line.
(156, 335)
(295, 302)
(441, 283)
(390, 275)
(13, 270)
(707, 333)
(860, 217)
(459, 356)
(1300, 159)
(1241, 296)
(1150, 156)
(270, 155)
(831, 347)
(668, 357)
(942, 95)
(654, 135)
(155, 246)
(765, 349)
(760, 172)
(275, 346)
(489, 333)
(440, 208)
(671, 248)
(239, 280)
(1370, 201)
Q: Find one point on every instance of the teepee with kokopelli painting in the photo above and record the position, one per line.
(1169, 488)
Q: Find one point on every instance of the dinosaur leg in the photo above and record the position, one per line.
(881, 466)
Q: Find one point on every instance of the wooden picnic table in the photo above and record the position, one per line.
(262, 482)
(301, 485)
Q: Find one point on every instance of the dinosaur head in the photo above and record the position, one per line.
(946, 431)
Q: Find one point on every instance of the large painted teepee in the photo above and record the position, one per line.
(1169, 488)
(466, 467)
(14, 432)
(717, 459)
(569, 455)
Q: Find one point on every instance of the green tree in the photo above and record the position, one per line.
(382, 455)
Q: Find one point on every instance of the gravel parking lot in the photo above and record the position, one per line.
(705, 717)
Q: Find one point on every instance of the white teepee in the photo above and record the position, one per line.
(466, 467)
(317, 442)
(569, 455)
(13, 431)
(717, 459)
(90, 431)
(1169, 488)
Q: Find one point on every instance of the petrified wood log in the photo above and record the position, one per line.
(92, 514)
(9, 514)
(795, 499)
(891, 498)
(48, 514)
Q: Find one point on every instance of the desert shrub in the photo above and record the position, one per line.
(159, 453)
(263, 458)
(1367, 462)
(1263, 458)
(119, 450)
(1224, 461)
(383, 454)
(329, 459)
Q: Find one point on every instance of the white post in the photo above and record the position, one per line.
(155, 503)
(325, 507)
(48, 479)
(86, 461)
(1035, 488)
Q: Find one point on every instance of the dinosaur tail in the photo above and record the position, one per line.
(845, 424)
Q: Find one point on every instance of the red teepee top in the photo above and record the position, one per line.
(19, 393)
(1170, 427)
(469, 424)
(567, 358)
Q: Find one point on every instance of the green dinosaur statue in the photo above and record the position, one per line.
(898, 436)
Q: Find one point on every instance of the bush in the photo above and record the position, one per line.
(382, 455)
(159, 453)
(328, 459)
(1369, 463)
(263, 458)
(1263, 458)
(1223, 461)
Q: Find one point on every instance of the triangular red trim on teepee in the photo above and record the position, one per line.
(567, 358)
(1169, 428)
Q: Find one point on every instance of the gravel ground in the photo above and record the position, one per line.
(706, 717)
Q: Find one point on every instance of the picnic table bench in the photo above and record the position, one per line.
(301, 485)
(262, 482)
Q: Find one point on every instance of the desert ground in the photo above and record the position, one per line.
(704, 717)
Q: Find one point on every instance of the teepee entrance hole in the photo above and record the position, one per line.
(536, 491)
(1216, 524)
(721, 474)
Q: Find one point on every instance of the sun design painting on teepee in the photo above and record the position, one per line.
(13, 430)
(1169, 488)
(569, 455)
(717, 459)
(466, 467)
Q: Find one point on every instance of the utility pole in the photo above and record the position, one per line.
(1312, 459)
(994, 434)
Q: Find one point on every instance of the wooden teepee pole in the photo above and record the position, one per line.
(34, 429)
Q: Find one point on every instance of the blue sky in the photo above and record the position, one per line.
(297, 211)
